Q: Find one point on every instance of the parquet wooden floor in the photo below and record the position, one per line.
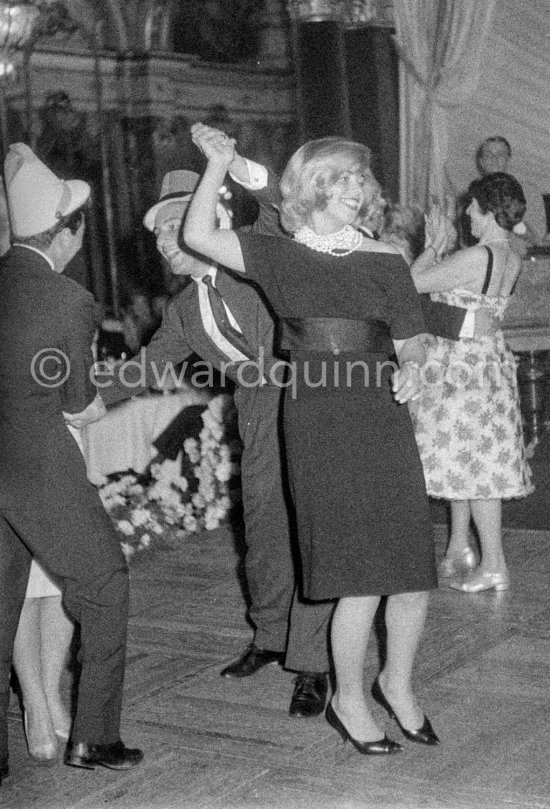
(482, 675)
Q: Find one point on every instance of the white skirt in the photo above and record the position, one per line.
(40, 585)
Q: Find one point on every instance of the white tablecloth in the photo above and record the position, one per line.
(123, 439)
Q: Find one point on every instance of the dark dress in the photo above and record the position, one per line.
(364, 526)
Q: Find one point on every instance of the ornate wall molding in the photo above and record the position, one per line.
(159, 85)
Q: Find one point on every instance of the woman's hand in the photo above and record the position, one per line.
(436, 230)
(407, 382)
(217, 147)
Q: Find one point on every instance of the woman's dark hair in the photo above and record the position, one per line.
(501, 194)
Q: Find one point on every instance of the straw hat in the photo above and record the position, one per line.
(37, 198)
(179, 186)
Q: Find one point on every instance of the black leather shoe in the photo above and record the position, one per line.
(310, 694)
(114, 756)
(424, 734)
(380, 747)
(251, 661)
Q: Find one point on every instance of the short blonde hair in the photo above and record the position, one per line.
(311, 171)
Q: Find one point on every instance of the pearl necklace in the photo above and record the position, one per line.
(338, 244)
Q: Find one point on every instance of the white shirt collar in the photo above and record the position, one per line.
(35, 250)
(212, 271)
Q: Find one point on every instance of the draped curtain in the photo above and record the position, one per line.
(440, 44)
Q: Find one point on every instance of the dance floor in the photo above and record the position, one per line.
(482, 675)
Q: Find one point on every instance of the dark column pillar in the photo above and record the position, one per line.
(319, 56)
(374, 100)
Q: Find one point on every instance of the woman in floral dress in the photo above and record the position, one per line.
(468, 422)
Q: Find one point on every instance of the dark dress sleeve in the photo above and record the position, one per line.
(404, 307)
(262, 261)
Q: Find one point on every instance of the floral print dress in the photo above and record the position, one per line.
(468, 422)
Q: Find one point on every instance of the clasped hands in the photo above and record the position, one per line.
(215, 145)
(437, 227)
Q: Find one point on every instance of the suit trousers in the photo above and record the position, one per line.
(94, 578)
(282, 620)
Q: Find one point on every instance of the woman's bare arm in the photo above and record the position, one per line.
(200, 231)
(463, 269)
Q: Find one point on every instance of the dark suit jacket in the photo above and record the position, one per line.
(46, 332)
(182, 333)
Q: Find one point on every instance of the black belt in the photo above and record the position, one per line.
(331, 334)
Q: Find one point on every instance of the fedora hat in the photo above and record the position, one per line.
(177, 186)
(37, 198)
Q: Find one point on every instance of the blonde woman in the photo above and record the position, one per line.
(346, 305)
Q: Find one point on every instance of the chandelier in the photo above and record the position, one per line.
(16, 25)
(352, 13)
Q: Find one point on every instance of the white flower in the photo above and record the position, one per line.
(127, 550)
(139, 516)
(126, 527)
(198, 500)
(224, 471)
(191, 447)
(190, 524)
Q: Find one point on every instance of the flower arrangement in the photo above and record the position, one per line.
(145, 508)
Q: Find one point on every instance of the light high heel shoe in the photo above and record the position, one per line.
(44, 753)
(452, 565)
(477, 582)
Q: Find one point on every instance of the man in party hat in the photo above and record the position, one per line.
(224, 320)
(47, 507)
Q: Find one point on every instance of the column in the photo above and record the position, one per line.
(319, 56)
(274, 50)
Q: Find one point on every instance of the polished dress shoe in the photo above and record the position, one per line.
(252, 660)
(476, 582)
(380, 747)
(423, 735)
(113, 756)
(455, 564)
(310, 694)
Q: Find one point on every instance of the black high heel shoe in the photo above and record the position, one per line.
(380, 747)
(424, 734)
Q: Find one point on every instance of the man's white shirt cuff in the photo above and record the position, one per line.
(257, 174)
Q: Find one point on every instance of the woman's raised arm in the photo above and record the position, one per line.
(200, 231)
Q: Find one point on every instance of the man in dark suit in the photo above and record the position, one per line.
(47, 507)
(225, 322)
